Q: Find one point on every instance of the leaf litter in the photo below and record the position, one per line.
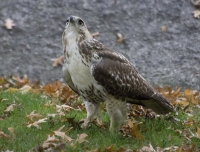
(69, 101)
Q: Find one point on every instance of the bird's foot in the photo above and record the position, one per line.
(99, 121)
(85, 123)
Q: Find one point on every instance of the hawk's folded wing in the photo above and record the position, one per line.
(119, 78)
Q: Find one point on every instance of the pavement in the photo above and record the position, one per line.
(162, 38)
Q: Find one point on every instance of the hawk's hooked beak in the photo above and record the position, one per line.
(71, 19)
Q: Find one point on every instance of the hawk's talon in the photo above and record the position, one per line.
(85, 123)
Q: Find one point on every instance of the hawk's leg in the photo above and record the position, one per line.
(93, 111)
(117, 111)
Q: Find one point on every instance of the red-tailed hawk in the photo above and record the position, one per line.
(100, 74)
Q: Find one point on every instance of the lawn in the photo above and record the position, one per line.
(38, 122)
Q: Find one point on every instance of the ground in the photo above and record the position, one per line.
(160, 37)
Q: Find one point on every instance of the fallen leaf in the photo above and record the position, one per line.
(51, 140)
(10, 108)
(21, 82)
(51, 114)
(57, 61)
(50, 103)
(120, 38)
(25, 89)
(11, 129)
(36, 123)
(186, 148)
(53, 89)
(9, 23)
(164, 28)
(3, 135)
(81, 138)
(167, 149)
(33, 116)
(66, 94)
(131, 129)
(147, 149)
(196, 2)
(110, 148)
(196, 13)
(60, 108)
(62, 134)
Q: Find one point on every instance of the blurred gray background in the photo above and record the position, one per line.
(162, 38)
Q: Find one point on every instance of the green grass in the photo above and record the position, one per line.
(159, 132)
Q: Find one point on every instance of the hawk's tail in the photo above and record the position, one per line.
(158, 104)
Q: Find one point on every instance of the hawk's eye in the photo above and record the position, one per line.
(67, 21)
(80, 22)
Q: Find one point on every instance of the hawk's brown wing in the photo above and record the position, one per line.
(119, 78)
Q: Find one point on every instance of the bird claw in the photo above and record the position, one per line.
(85, 123)
(99, 121)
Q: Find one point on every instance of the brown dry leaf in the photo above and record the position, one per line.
(135, 132)
(49, 103)
(9, 23)
(120, 38)
(60, 108)
(167, 149)
(187, 134)
(66, 94)
(81, 138)
(33, 116)
(194, 100)
(51, 115)
(171, 95)
(188, 92)
(57, 61)
(10, 108)
(20, 82)
(3, 135)
(196, 2)
(25, 89)
(61, 134)
(186, 148)
(53, 89)
(36, 123)
(110, 148)
(98, 122)
(189, 122)
(51, 140)
(4, 83)
(192, 96)
(196, 13)
(131, 129)
(139, 111)
(147, 149)
(164, 28)
(11, 129)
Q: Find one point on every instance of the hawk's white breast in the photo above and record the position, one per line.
(79, 69)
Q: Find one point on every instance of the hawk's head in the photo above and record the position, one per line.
(75, 29)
